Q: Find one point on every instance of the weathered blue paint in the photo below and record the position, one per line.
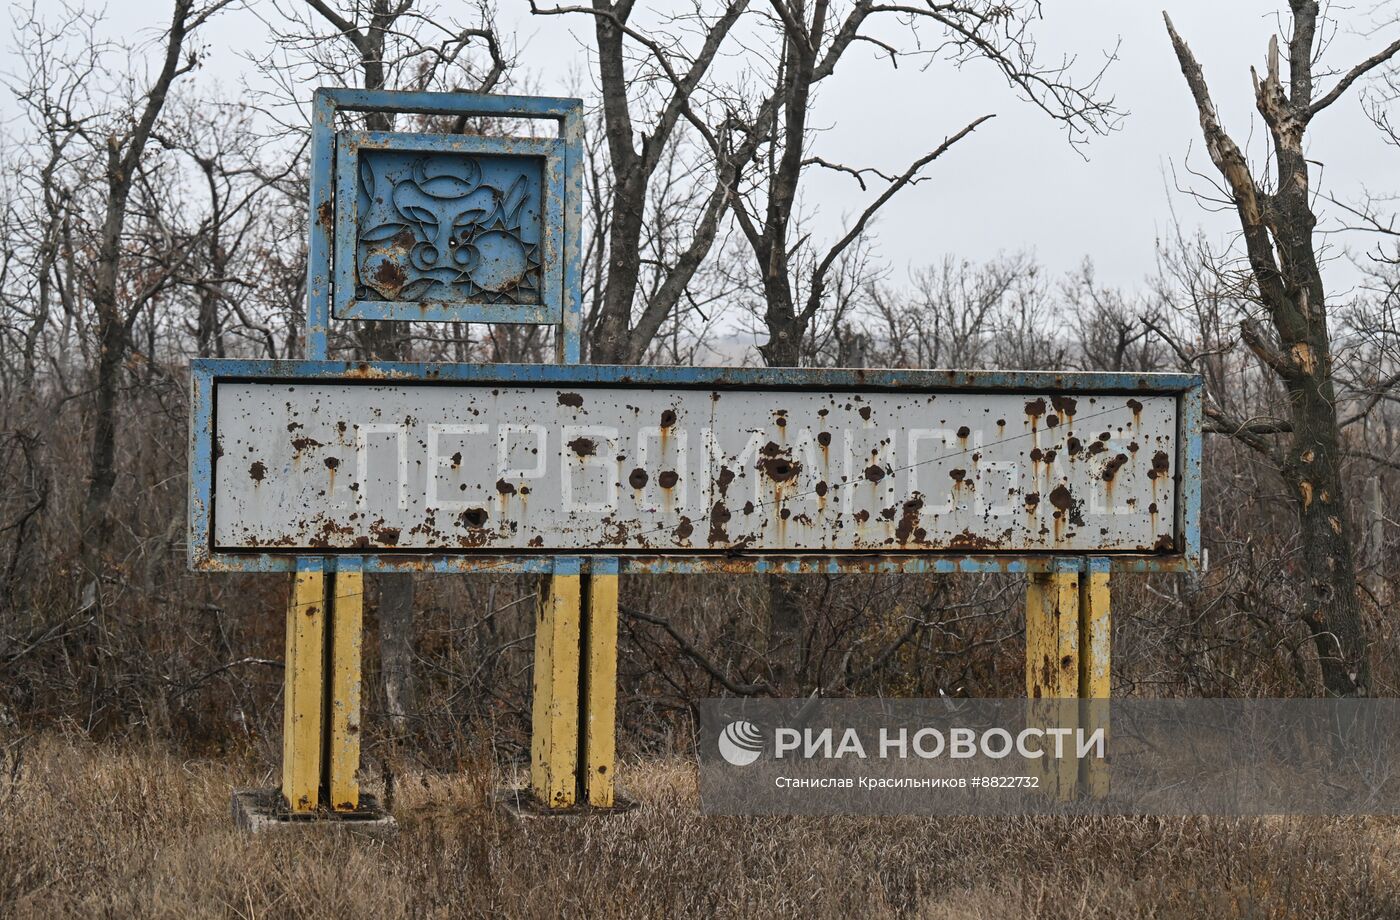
(659, 376)
(321, 214)
(201, 458)
(424, 103)
(875, 564)
(569, 337)
(1190, 436)
(1065, 565)
(333, 194)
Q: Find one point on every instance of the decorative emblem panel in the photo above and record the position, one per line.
(448, 227)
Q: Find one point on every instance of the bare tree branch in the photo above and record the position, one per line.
(1351, 76)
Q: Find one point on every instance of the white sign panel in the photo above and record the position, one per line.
(385, 466)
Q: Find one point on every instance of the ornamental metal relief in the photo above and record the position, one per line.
(448, 227)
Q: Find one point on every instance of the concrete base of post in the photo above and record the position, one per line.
(259, 811)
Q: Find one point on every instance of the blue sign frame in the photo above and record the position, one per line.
(1187, 389)
(332, 253)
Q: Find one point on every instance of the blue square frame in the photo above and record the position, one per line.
(350, 147)
(326, 253)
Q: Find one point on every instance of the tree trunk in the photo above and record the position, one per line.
(123, 158)
(610, 340)
(1375, 539)
(1277, 230)
(1313, 470)
(396, 654)
(396, 591)
(96, 527)
(785, 653)
(786, 329)
(1297, 304)
(633, 157)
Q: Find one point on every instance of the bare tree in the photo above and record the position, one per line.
(1113, 329)
(772, 149)
(951, 313)
(1278, 222)
(124, 147)
(810, 39)
(638, 144)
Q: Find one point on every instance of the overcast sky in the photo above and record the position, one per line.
(1015, 183)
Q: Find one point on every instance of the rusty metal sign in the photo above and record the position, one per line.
(522, 467)
(320, 457)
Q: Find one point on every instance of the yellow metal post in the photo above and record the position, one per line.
(1095, 647)
(554, 730)
(1068, 644)
(1052, 635)
(304, 689)
(1052, 667)
(1094, 632)
(600, 683)
(343, 709)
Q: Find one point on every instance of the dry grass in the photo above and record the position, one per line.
(133, 831)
